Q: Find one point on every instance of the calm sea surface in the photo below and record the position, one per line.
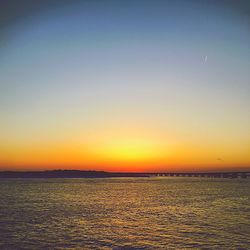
(125, 213)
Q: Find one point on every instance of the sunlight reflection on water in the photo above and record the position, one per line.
(125, 213)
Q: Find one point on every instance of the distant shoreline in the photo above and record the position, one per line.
(104, 174)
(67, 174)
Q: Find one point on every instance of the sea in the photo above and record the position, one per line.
(125, 213)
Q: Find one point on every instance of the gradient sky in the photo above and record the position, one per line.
(125, 85)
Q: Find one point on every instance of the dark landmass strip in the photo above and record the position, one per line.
(103, 174)
(67, 174)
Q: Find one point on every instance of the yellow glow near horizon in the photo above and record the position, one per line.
(127, 148)
(130, 150)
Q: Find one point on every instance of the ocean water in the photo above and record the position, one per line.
(125, 213)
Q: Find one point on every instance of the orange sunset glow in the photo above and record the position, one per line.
(122, 150)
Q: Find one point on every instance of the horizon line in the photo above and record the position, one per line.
(247, 169)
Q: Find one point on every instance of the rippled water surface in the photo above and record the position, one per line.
(125, 213)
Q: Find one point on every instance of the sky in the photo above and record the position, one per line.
(125, 85)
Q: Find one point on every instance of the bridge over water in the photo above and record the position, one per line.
(244, 174)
